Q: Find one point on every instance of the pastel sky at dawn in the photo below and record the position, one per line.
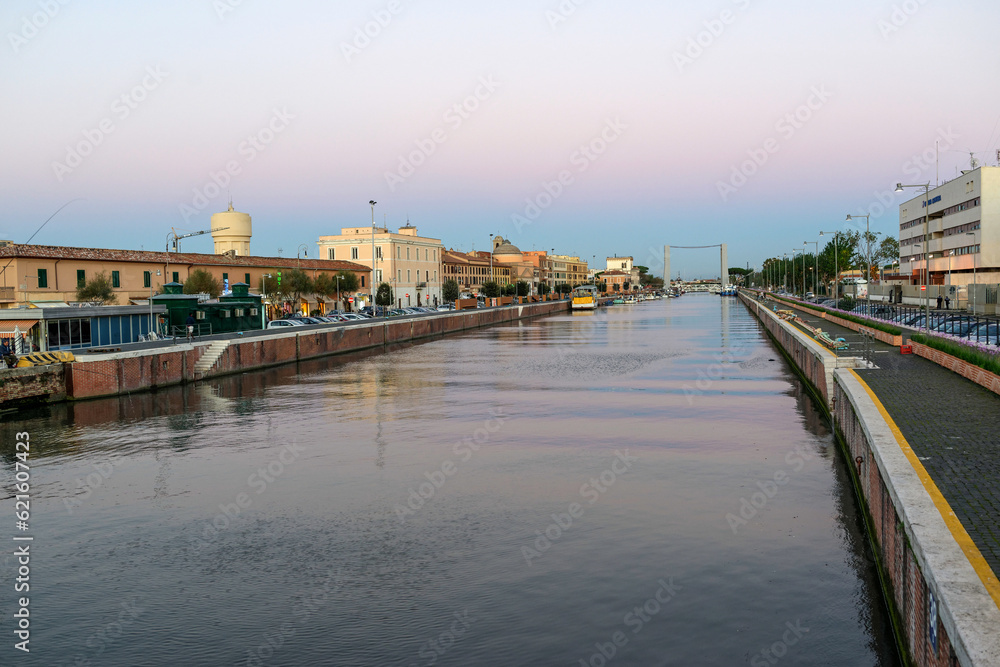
(592, 128)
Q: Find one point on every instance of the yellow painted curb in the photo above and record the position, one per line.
(968, 546)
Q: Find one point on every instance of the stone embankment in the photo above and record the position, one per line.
(98, 375)
(943, 596)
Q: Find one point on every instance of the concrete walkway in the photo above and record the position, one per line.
(951, 424)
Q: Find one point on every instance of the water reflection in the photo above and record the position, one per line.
(378, 500)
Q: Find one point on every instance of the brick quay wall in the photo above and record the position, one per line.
(141, 370)
(942, 612)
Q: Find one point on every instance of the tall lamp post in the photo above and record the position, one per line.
(816, 262)
(868, 243)
(339, 278)
(371, 283)
(836, 266)
(784, 267)
(151, 328)
(973, 235)
(263, 295)
(927, 223)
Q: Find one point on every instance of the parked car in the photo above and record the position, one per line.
(283, 324)
(304, 319)
(986, 332)
(446, 307)
(350, 317)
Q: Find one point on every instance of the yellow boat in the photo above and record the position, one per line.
(585, 297)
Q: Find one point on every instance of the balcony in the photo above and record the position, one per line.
(421, 285)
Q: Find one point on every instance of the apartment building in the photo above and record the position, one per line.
(408, 262)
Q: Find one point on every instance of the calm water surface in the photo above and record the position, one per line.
(647, 485)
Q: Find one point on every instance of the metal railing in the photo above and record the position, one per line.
(978, 328)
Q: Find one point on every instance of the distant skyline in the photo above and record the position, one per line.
(592, 128)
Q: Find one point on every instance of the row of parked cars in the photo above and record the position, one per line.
(368, 312)
(962, 326)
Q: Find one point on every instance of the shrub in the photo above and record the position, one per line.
(973, 353)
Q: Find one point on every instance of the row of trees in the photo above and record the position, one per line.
(294, 285)
(847, 251)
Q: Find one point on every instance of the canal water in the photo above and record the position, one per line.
(645, 485)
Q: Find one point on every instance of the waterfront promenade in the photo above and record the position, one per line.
(950, 423)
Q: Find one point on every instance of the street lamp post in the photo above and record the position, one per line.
(371, 283)
(927, 223)
(973, 235)
(263, 294)
(784, 268)
(868, 243)
(816, 262)
(151, 298)
(339, 278)
(836, 266)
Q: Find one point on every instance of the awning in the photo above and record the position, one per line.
(7, 326)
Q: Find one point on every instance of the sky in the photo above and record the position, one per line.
(584, 127)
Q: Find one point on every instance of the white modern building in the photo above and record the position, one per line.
(961, 227)
(411, 264)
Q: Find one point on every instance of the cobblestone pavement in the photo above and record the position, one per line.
(951, 424)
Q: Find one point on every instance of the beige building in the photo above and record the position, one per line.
(566, 269)
(410, 263)
(963, 231)
(32, 275)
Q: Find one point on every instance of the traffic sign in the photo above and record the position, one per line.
(923, 288)
(350, 299)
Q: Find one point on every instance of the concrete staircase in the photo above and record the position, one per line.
(208, 359)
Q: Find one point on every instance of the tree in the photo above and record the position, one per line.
(348, 281)
(544, 289)
(450, 291)
(324, 286)
(202, 282)
(887, 252)
(508, 290)
(383, 296)
(626, 285)
(490, 289)
(98, 291)
(295, 283)
(564, 288)
(522, 288)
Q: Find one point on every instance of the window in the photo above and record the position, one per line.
(147, 279)
(254, 312)
(378, 275)
(239, 312)
(224, 314)
(177, 277)
(435, 276)
(362, 281)
(43, 278)
(116, 279)
(407, 252)
(399, 275)
(427, 276)
(398, 251)
(331, 253)
(378, 251)
(426, 253)
(199, 314)
(246, 278)
(81, 278)
(407, 275)
(225, 277)
(354, 252)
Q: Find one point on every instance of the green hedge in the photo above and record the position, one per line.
(880, 326)
(973, 355)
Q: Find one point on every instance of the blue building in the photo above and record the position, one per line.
(71, 328)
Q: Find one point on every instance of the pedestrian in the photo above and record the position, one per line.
(189, 323)
(947, 303)
(939, 302)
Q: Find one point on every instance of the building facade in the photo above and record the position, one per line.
(409, 263)
(962, 236)
(32, 274)
(566, 269)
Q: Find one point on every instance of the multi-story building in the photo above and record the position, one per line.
(566, 269)
(962, 232)
(472, 270)
(409, 263)
(625, 265)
